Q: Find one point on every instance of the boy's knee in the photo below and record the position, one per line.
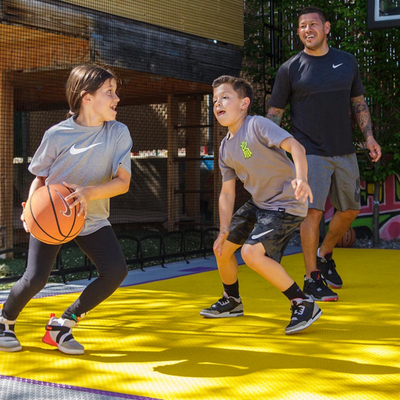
(247, 252)
(225, 255)
(117, 273)
(34, 284)
(121, 272)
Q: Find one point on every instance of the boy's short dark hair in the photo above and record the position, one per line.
(240, 86)
(312, 10)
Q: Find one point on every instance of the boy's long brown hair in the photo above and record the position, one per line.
(86, 78)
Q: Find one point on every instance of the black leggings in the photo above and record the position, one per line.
(101, 247)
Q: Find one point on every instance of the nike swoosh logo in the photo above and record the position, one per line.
(336, 66)
(74, 150)
(67, 211)
(261, 234)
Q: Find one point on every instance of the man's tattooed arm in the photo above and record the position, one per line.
(362, 116)
(275, 115)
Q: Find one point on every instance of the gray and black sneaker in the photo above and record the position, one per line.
(317, 288)
(59, 334)
(328, 270)
(8, 340)
(304, 313)
(225, 307)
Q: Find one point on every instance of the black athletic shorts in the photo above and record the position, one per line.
(273, 229)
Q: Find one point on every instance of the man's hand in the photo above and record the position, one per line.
(375, 151)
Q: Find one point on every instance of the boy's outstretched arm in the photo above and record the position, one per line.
(300, 183)
(119, 184)
(226, 205)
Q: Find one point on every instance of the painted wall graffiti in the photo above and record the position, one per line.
(389, 208)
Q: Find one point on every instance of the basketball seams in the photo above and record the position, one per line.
(75, 211)
(47, 225)
(37, 223)
(56, 214)
(348, 239)
(68, 235)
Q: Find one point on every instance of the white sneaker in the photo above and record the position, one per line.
(59, 334)
(8, 340)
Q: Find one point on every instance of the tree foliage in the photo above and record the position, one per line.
(377, 52)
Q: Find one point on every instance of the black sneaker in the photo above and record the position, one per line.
(8, 340)
(328, 269)
(317, 288)
(225, 307)
(304, 313)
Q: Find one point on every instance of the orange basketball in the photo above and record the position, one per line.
(348, 239)
(48, 216)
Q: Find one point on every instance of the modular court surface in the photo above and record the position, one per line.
(148, 340)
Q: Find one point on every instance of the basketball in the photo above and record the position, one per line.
(48, 216)
(348, 239)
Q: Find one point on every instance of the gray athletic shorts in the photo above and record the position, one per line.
(273, 229)
(337, 177)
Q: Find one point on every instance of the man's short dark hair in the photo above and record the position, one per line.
(312, 10)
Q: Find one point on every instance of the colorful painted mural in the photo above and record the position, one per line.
(389, 209)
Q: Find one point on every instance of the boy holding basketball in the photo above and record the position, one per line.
(90, 154)
(254, 151)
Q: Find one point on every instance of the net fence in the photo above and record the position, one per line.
(166, 58)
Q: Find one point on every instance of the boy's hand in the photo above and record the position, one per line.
(219, 242)
(302, 190)
(81, 196)
(22, 218)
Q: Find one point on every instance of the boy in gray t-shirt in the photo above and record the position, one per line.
(90, 154)
(254, 151)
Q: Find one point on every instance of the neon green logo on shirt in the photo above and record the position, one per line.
(246, 151)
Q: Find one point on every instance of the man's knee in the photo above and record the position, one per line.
(350, 215)
(313, 217)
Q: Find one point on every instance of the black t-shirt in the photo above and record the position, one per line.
(319, 89)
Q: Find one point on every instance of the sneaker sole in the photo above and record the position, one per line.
(11, 349)
(222, 315)
(334, 285)
(47, 340)
(310, 322)
(323, 298)
(71, 351)
(67, 351)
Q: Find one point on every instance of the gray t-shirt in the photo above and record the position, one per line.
(84, 156)
(319, 91)
(254, 156)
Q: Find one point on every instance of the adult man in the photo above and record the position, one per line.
(323, 85)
